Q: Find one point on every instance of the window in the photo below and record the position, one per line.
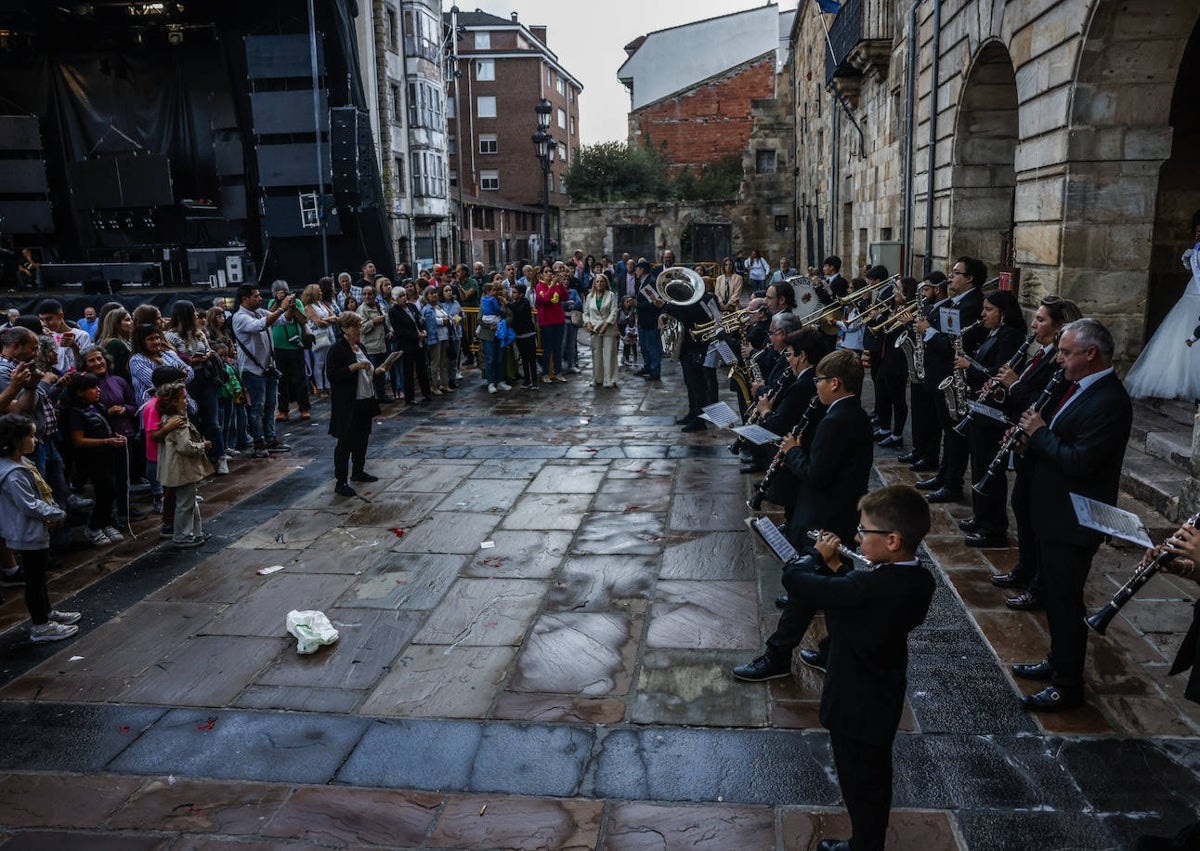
(451, 112)
(562, 152)
(781, 224)
(764, 162)
(562, 119)
(483, 41)
(561, 85)
(422, 33)
(392, 26)
(549, 77)
(398, 174)
(488, 143)
(572, 125)
(428, 174)
(489, 180)
(397, 102)
(486, 107)
(424, 105)
(453, 177)
(485, 70)
(452, 145)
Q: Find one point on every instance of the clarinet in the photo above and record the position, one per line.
(1008, 443)
(984, 392)
(1141, 576)
(845, 552)
(753, 416)
(754, 503)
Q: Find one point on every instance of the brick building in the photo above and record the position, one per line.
(504, 69)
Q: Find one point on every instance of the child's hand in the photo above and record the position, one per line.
(207, 445)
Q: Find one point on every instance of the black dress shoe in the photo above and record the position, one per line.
(945, 495)
(909, 457)
(923, 466)
(931, 484)
(969, 525)
(1042, 671)
(891, 442)
(363, 476)
(684, 420)
(1009, 580)
(1052, 699)
(1026, 602)
(763, 668)
(814, 659)
(781, 602)
(833, 845)
(750, 468)
(695, 425)
(985, 540)
(343, 489)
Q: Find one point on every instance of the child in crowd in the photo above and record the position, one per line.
(627, 325)
(99, 454)
(183, 463)
(234, 405)
(27, 510)
(526, 334)
(869, 615)
(164, 498)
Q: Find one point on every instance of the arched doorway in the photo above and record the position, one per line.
(984, 176)
(1178, 197)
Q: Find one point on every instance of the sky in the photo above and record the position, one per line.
(589, 37)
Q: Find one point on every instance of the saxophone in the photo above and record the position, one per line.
(918, 346)
(955, 384)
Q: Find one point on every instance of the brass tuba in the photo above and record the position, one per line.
(679, 286)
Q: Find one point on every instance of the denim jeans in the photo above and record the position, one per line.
(263, 392)
(491, 349)
(650, 340)
(208, 405)
(552, 348)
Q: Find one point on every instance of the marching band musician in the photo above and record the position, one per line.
(701, 383)
(1077, 448)
(875, 275)
(926, 431)
(777, 375)
(1005, 327)
(1024, 387)
(892, 404)
(830, 475)
(966, 303)
(1185, 545)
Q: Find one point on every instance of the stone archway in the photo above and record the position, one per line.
(1119, 137)
(1178, 193)
(985, 142)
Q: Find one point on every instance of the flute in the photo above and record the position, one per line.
(857, 558)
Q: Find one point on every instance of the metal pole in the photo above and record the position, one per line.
(545, 206)
(312, 56)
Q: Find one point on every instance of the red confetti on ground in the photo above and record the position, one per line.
(492, 561)
(195, 811)
(401, 581)
(591, 450)
(634, 507)
(207, 725)
(399, 533)
(123, 729)
(492, 624)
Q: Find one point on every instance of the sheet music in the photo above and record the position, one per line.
(1110, 520)
(757, 435)
(720, 415)
(774, 539)
(649, 293)
(949, 322)
(720, 354)
(989, 412)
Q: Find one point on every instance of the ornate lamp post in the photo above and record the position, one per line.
(545, 145)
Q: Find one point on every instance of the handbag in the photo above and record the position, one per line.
(577, 318)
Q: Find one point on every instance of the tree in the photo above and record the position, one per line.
(615, 171)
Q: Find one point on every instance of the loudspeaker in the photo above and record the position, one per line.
(350, 145)
(291, 165)
(276, 57)
(23, 177)
(288, 112)
(19, 133)
(281, 217)
(122, 181)
(26, 217)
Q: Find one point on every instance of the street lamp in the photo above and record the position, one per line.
(545, 145)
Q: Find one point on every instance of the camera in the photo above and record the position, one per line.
(273, 372)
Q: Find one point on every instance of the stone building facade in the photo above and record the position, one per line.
(1050, 136)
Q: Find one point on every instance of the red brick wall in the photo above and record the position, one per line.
(710, 121)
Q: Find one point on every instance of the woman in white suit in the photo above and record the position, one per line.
(600, 319)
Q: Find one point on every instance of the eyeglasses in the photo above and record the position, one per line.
(777, 331)
(788, 353)
(863, 531)
(821, 378)
(957, 272)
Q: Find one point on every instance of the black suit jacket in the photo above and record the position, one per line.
(832, 473)
(939, 351)
(407, 325)
(1082, 453)
(869, 615)
(790, 405)
(994, 352)
(1186, 657)
(343, 389)
(1026, 392)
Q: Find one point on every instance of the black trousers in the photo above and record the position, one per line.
(990, 507)
(1028, 560)
(865, 775)
(37, 598)
(105, 466)
(926, 430)
(527, 349)
(293, 386)
(415, 366)
(956, 453)
(1064, 570)
(696, 382)
(379, 381)
(352, 445)
(893, 409)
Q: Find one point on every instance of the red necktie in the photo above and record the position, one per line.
(1032, 364)
(1066, 396)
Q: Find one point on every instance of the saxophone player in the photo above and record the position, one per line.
(926, 431)
(966, 303)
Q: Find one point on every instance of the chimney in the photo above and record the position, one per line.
(514, 17)
(539, 33)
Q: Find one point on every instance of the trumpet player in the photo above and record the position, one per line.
(1025, 385)
(926, 432)
(1005, 326)
(891, 381)
(963, 308)
(1079, 449)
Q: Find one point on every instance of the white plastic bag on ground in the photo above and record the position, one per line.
(312, 630)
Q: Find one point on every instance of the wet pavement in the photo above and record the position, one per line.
(538, 605)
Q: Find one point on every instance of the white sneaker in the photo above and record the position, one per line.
(504, 385)
(230, 454)
(51, 631)
(65, 617)
(96, 537)
(113, 534)
(561, 377)
(222, 467)
(199, 498)
(491, 388)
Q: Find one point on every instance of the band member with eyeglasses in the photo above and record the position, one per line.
(831, 475)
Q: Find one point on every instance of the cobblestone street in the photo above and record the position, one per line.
(538, 606)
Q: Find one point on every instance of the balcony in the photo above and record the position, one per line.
(860, 43)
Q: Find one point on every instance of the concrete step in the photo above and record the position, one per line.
(1152, 416)
(1175, 447)
(1154, 481)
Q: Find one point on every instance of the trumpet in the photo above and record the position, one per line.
(1141, 576)
(840, 303)
(903, 314)
(1006, 445)
(733, 323)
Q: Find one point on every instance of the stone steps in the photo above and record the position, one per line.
(1157, 461)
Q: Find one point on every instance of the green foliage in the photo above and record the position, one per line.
(614, 171)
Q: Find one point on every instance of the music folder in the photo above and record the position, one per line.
(757, 435)
(773, 538)
(720, 415)
(1110, 520)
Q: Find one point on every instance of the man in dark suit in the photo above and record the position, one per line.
(869, 615)
(830, 475)
(649, 335)
(926, 430)
(832, 270)
(966, 304)
(1076, 448)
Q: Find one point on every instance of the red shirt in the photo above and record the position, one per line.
(549, 303)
